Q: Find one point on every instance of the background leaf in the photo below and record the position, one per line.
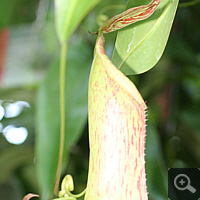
(6, 10)
(68, 15)
(17, 12)
(171, 90)
(139, 46)
(77, 74)
(155, 167)
(14, 157)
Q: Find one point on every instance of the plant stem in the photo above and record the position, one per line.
(62, 112)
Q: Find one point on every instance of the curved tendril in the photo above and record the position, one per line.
(67, 186)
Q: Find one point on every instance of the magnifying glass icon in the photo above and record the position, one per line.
(183, 183)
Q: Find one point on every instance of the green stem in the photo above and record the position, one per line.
(62, 113)
(190, 3)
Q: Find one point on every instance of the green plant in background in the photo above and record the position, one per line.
(172, 119)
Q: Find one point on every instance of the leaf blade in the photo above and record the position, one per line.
(68, 14)
(140, 46)
(155, 166)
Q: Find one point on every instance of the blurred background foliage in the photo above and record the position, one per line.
(29, 57)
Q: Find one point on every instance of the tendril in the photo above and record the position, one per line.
(67, 186)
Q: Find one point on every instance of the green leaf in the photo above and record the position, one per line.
(17, 12)
(155, 167)
(14, 157)
(68, 15)
(77, 75)
(139, 46)
(6, 10)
